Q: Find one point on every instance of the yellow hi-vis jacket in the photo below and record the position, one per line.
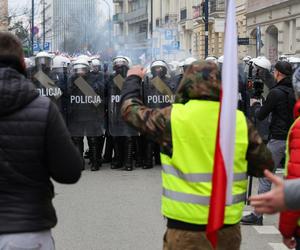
(187, 176)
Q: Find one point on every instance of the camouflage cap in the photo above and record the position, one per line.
(202, 80)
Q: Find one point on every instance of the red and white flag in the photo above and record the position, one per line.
(224, 154)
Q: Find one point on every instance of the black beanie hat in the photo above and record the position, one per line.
(284, 68)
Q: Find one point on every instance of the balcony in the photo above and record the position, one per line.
(137, 15)
(118, 1)
(216, 7)
(118, 18)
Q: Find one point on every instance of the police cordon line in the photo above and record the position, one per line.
(88, 96)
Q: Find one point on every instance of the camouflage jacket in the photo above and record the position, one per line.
(200, 83)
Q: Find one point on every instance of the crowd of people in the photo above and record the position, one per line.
(140, 117)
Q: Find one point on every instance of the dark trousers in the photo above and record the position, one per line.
(229, 238)
(298, 243)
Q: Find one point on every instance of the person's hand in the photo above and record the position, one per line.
(272, 201)
(137, 71)
(289, 242)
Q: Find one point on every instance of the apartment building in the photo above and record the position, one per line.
(71, 25)
(279, 22)
(131, 27)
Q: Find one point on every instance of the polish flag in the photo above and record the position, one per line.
(224, 153)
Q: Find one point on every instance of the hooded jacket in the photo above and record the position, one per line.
(34, 146)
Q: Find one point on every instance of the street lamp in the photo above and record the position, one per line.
(109, 21)
(206, 27)
(32, 26)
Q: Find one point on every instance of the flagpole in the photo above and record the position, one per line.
(222, 180)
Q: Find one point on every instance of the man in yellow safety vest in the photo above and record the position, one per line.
(187, 132)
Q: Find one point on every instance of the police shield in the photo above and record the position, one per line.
(158, 93)
(46, 85)
(117, 126)
(61, 79)
(85, 106)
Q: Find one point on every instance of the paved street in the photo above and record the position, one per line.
(118, 210)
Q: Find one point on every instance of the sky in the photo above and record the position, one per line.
(19, 5)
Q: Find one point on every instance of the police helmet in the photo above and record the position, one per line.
(120, 61)
(175, 67)
(212, 59)
(221, 59)
(129, 61)
(247, 59)
(85, 57)
(189, 61)
(81, 66)
(159, 68)
(96, 65)
(283, 58)
(262, 62)
(43, 59)
(96, 62)
(61, 62)
(295, 62)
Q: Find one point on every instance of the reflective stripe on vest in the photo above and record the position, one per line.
(200, 177)
(198, 199)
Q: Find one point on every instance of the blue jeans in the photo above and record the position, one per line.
(27, 241)
(277, 148)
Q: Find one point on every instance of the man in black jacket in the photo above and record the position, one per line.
(34, 147)
(279, 103)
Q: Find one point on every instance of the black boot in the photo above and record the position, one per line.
(129, 151)
(138, 152)
(157, 154)
(148, 163)
(78, 141)
(100, 145)
(107, 157)
(94, 153)
(117, 161)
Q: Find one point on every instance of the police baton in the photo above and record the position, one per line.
(249, 191)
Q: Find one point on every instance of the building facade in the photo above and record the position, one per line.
(279, 23)
(3, 15)
(71, 25)
(131, 27)
(215, 28)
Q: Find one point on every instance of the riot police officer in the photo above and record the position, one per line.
(123, 135)
(43, 78)
(60, 72)
(86, 110)
(159, 92)
(96, 71)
